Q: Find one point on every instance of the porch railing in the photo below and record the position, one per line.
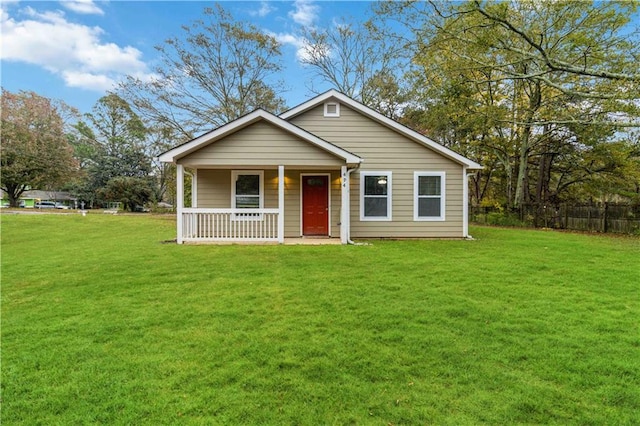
(234, 225)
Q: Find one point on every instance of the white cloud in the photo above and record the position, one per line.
(302, 45)
(86, 7)
(265, 9)
(86, 80)
(292, 40)
(4, 5)
(73, 51)
(305, 13)
(286, 38)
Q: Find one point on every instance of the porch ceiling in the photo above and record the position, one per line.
(261, 167)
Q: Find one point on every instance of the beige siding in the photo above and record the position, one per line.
(386, 150)
(261, 144)
(214, 191)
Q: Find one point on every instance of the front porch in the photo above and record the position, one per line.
(240, 191)
(231, 225)
(273, 215)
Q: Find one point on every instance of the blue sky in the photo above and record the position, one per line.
(75, 50)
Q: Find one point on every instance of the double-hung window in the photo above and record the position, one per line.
(375, 196)
(428, 190)
(247, 192)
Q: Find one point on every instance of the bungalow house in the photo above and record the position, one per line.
(330, 167)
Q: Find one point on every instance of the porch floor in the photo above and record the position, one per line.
(311, 241)
(307, 241)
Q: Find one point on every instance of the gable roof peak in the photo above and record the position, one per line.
(259, 114)
(383, 120)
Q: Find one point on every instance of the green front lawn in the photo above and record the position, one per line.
(103, 323)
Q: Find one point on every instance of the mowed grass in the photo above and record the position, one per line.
(103, 323)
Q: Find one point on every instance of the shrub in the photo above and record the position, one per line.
(505, 219)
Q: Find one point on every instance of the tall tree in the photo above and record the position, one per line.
(162, 139)
(537, 73)
(114, 142)
(34, 150)
(132, 192)
(358, 62)
(217, 71)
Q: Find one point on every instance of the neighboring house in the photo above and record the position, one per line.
(330, 167)
(29, 198)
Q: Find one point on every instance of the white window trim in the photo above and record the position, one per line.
(386, 218)
(234, 177)
(416, 195)
(331, 114)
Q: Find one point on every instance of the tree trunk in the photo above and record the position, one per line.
(535, 101)
(544, 170)
(523, 169)
(14, 192)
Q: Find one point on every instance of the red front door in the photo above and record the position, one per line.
(315, 205)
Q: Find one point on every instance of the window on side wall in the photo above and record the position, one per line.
(429, 196)
(375, 196)
(247, 192)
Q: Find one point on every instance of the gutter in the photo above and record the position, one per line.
(348, 217)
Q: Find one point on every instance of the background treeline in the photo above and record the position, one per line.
(545, 95)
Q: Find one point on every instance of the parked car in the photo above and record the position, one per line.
(45, 205)
(50, 205)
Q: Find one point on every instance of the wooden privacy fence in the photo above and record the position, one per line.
(604, 217)
(607, 217)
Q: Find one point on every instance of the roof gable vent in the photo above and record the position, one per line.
(332, 109)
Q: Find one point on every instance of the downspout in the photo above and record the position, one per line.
(348, 217)
(466, 202)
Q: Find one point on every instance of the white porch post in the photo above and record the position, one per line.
(465, 203)
(281, 204)
(179, 199)
(344, 206)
